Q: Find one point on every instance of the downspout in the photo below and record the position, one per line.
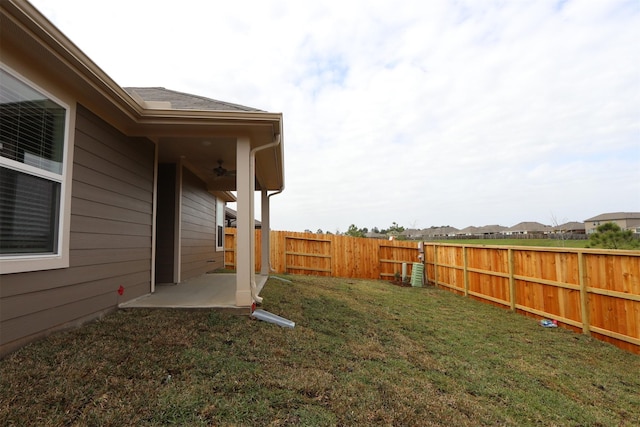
(275, 193)
(252, 159)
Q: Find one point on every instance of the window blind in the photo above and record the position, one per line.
(28, 213)
(31, 126)
(31, 133)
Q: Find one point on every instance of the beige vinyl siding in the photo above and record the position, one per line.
(198, 233)
(165, 223)
(110, 241)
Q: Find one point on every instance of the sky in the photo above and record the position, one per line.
(423, 113)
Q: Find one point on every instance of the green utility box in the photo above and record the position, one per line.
(417, 272)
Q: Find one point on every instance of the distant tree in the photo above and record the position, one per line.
(556, 224)
(394, 229)
(354, 231)
(611, 236)
(375, 230)
(319, 231)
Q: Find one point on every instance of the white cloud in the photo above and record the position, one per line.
(422, 113)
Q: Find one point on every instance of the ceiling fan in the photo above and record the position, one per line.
(221, 172)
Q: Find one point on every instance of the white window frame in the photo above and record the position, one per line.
(220, 204)
(19, 263)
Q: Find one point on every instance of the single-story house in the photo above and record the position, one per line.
(469, 231)
(106, 191)
(412, 234)
(571, 227)
(372, 235)
(231, 216)
(444, 231)
(492, 230)
(486, 231)
(528, 228)
(625, 220)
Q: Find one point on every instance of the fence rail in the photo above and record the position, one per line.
(596, 292)
(593, 291)
(330, 255)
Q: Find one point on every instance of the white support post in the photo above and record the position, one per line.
(154, 219)
(177, 233)
(244, 223)
(266, 234)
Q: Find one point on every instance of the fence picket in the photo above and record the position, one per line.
(593, 291)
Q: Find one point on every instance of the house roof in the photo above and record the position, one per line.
(614, 215)
(485, 229)
(373, 235)
(412, 232)
(529, 226)
(194, 130)
(182, 101)
(440, 231)
(231, 217)
(569, 226)
(492, 229)
(469, 230)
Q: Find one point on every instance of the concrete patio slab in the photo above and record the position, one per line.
(215, 290)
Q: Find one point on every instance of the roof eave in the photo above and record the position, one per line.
(33, 38)
(106, 90)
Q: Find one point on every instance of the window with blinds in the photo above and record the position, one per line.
(32, 135)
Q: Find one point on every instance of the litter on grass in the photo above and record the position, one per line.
(272, 318)
(546, 323)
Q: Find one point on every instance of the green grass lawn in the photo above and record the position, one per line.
(547, 243)
(362, 353)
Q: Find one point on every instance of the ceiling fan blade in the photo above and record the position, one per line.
(220, 171)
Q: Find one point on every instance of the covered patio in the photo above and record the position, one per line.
(208, 152)
(207, 291)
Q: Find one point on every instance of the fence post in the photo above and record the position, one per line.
(435, 264)
(465, 271)
(584, 294)
(512, 282)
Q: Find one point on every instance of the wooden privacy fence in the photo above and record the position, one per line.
(330, 255)
(593, 291)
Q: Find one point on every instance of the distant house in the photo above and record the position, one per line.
(572, 227)
(231, 216)
(625, 220)
(486, 231)
(372, 235)
(435, 232)
(528, 228)
(106, 191)
(412, 234)
(469, 231)
(491, 230)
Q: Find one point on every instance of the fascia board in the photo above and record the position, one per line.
(127, 114)
(30, 19)
(27, 17)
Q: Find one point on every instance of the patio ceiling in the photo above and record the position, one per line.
(201, 149)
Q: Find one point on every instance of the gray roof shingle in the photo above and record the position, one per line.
(530, 227)
(614, 215)
(185, 101)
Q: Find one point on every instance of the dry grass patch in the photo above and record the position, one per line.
(362, 353)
